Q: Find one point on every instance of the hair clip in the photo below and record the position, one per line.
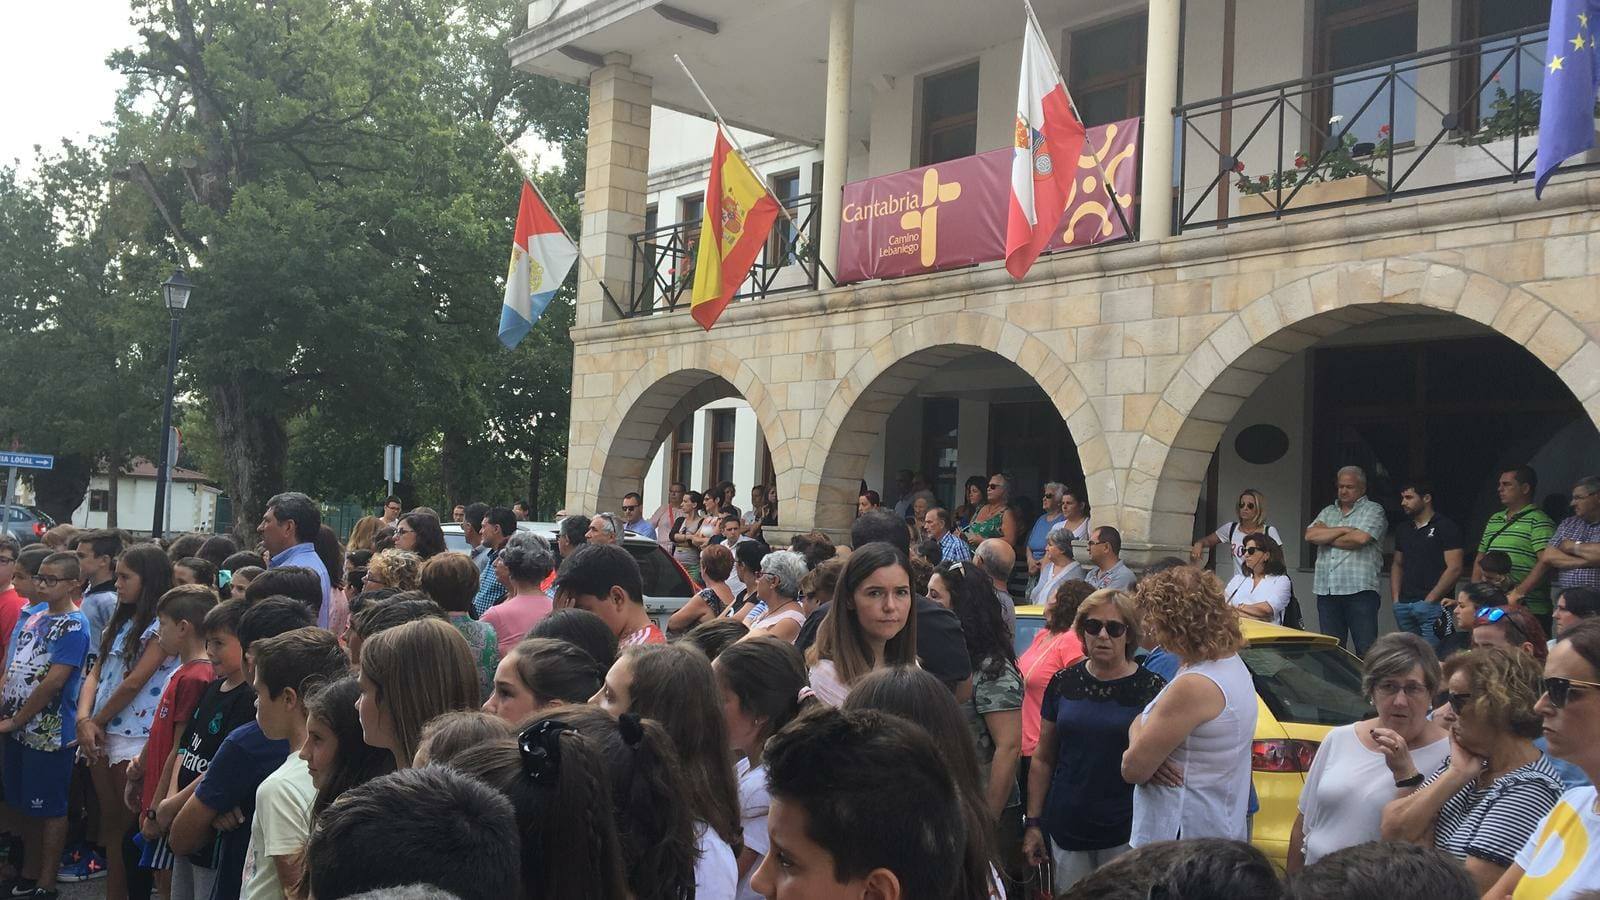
(631, 727)
(540, 744)
(806, 693)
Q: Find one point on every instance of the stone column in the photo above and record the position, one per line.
(835, 129)
(614, 185)
(1160, 96)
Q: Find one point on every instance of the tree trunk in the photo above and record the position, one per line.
(453, 453)
(60, 491)
(113, 482)
(534, 506)
(255, 454)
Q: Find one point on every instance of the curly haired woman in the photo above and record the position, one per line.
(1189, 752)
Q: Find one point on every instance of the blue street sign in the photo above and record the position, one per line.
(27, 460)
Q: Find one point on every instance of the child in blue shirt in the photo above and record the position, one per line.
(38, 718)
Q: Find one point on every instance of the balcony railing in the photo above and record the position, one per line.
(663, 261)
(1461, 115)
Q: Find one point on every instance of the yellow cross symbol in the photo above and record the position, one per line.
(1555, 64)
(926, 219)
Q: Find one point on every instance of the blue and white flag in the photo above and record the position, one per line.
(541, 257)
(1571, 72)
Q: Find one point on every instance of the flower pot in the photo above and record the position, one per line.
(1494, 159)
(1314, 194)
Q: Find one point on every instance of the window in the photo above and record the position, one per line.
(683, 453)
(1512, 69)
(691, 212)
(99, 501)
(949, 115)
(1313, 684)
(722, 427)
(1107, 70)
(786, 188)
(1350, 33)
(941, 423)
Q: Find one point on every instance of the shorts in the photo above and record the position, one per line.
(155, 854)
(35, 781)
(121, 748)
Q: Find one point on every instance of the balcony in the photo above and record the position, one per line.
(1441, 119)
(663, 261)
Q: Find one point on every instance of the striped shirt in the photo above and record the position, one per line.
(953, 549)
(1574, 528)
(1494, 823)
(1528, 532)
(1341, 572)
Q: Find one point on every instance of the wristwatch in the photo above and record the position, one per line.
(1413, 781)
(1032, 822)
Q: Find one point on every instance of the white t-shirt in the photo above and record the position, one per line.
(280, 827)
(1228, 567)
(1347, 787)
(753, 804)
(1273, 589)
(1562, 859)
(826, 684)
(716, 872)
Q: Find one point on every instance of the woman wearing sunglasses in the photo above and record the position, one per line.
(1076, 794)
(1349, 782)
(1562, 859)
(1252, 509)
(1487, 799)
(1261, 590)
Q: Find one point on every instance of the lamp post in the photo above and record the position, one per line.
(175, 293)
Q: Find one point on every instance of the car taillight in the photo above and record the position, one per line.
(39, 529)
(1282, 755)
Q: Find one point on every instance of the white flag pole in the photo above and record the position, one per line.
(1111, 189)
(737, 148)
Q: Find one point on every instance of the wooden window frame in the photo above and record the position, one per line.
(721, 447)
(1134, 75)
(927, 128)
(1323, 28)
(683, 453)
(782, 231)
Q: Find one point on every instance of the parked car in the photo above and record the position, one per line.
(667, 585)
(25, 523)
(1306, 685)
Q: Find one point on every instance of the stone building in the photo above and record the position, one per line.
(1435, 321)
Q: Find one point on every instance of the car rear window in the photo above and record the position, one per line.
(661, 577)
(1028, 627)
(1308, 683)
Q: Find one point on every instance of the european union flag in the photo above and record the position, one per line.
(1571, 72)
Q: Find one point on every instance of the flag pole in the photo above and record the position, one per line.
(1111, 189)
(528, 178)
(800, 234)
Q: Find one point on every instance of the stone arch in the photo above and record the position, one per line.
(1223, 371)
(855, 413)
(670, 384)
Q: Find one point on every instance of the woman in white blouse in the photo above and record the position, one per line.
(1261, 590)
(1058, 566)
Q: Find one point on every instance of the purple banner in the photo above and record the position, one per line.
(953, 214)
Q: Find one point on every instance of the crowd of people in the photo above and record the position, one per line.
(384, 717)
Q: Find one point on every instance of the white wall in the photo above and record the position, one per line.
(194, 505)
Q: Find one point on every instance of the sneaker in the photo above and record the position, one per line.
(84, 865)
(39, 893)
(18, 887)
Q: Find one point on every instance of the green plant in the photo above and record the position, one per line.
(1514, 114)
(1338, 161)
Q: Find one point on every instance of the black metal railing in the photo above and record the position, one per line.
(1484, 92)
(664, 259)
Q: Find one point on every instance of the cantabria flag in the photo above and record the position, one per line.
(541, 257)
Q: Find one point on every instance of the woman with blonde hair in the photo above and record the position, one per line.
(361, 534)
(1252, 509)
(398, 569)
(410, 674)
(1188, 753)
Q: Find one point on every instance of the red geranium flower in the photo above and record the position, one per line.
(1300, 161)
(1261, 178)
(1383, 130)
(1239, 167)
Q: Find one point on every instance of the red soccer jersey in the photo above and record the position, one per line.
(183, 692)
(11, 604)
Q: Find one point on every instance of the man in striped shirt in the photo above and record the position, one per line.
(1521, 530)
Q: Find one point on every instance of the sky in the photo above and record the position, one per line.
(53, 64)
(57, 85)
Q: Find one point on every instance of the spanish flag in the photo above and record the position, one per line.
(739, 212)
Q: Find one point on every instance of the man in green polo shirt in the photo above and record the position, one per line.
(1521, 530)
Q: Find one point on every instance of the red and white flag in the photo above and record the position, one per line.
(1049, 139)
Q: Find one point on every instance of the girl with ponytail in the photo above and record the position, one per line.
(762, 683)
(557, 781)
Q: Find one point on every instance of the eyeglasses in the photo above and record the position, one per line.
(1410, 689)
(1458, 701)
(1247, 505)
(7, 560)
(1093, 627)
(49, 580)
(996, 487)
(404, 531)
(1560, 689)
(629, 508)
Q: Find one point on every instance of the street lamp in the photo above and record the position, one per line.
(175, 293)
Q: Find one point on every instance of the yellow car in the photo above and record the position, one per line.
(1305, 686)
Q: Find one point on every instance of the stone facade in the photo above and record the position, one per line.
(1146, 349)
